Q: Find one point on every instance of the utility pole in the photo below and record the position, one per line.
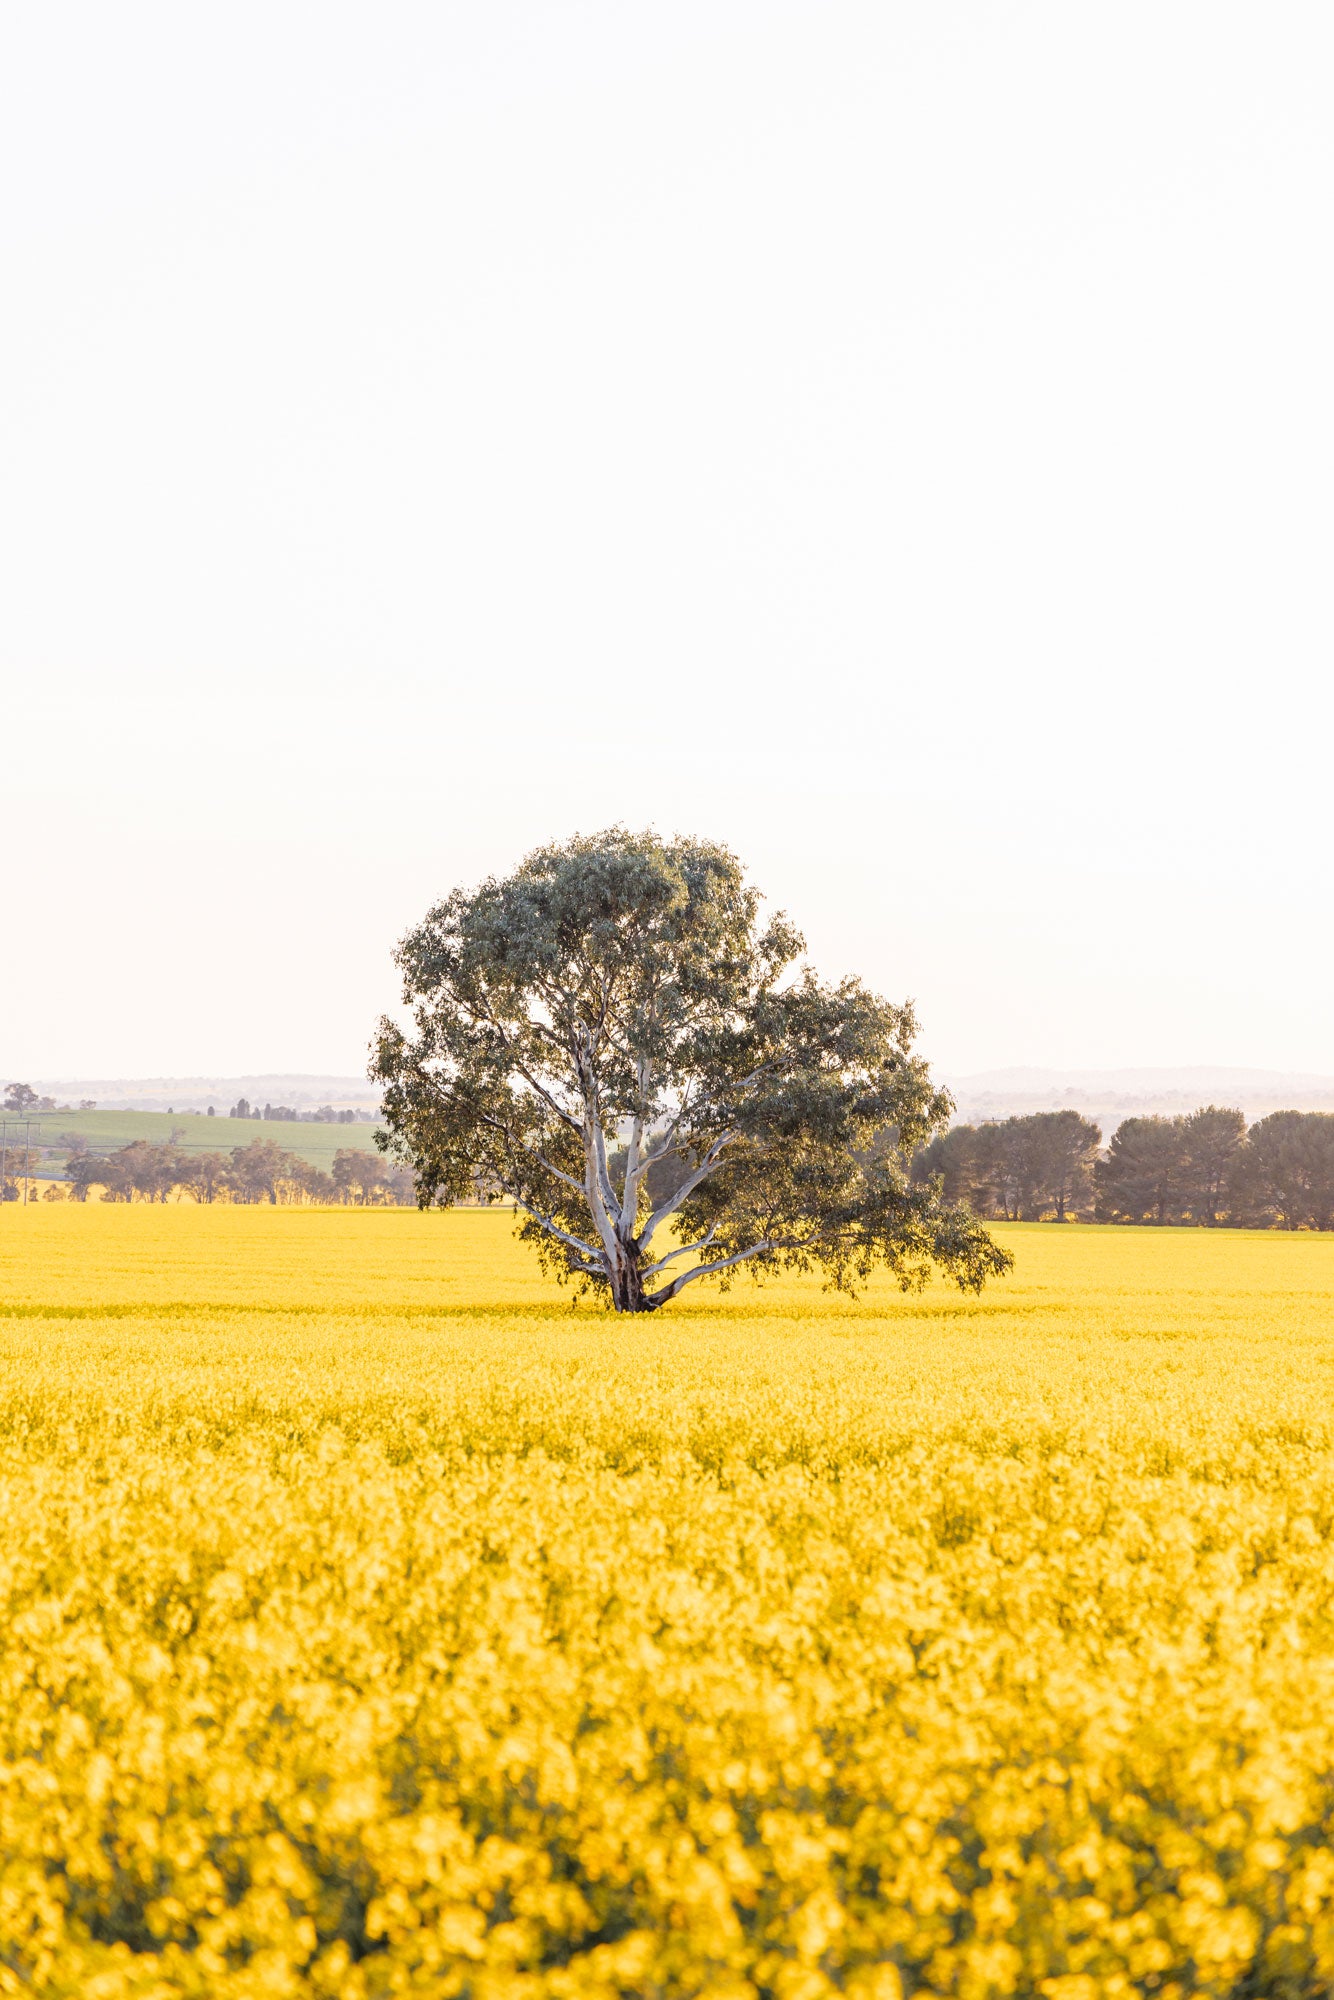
(27, 1153)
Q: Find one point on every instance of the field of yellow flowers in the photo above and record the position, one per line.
(376, 1623)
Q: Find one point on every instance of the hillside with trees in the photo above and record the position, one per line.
(52, 1135)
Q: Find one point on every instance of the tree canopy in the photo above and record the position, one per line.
(620, 1006)
(1287, 1169)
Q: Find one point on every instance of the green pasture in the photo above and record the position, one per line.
(105, 1131)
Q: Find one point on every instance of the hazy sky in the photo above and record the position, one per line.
(895, 439)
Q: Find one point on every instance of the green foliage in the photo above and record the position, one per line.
(625, 990)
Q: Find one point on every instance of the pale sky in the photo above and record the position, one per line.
(897, 440)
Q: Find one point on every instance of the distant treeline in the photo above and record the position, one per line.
(23, 1099)
(254, 1173)
(1204, 1168)
(284, 1113)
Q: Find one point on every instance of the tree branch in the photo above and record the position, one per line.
(661, 1151)
(684, 1251)
(588, 1250)
(633, 1167)
(706, 1270)
(567, 1117)
(605, 1187)
(597, 1187)
(516, 1139)
(686, 1189)
(742, 1083)
(482, 1012)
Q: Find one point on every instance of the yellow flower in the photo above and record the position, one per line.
(376, 1626)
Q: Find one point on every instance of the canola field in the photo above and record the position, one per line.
(376, 1623)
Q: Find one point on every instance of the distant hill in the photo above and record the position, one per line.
(175, 1108)
(1109, 1095)
(196, 1093)
(49, 1133)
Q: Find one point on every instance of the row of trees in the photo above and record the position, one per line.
(1204, 1168)
(287, 1114)
(255, 1173)
(1019, 1169)
(1208, 1168)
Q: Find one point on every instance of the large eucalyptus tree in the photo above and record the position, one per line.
(618, 1041)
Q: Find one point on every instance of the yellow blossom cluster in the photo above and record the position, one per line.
(376, 1623)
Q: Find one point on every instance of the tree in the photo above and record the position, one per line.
(115, 1178)
(1287, 1171)
(83, 1171)
(315, 1184)
(1058, 1152)
(21, 1097)
(1141, 1179)
(954, 1156)
(363, 1173)
(1212, 1140)
(259, 1172)
(995, 1189)
(625, 988)
(151, 1171)
(204, 1174)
